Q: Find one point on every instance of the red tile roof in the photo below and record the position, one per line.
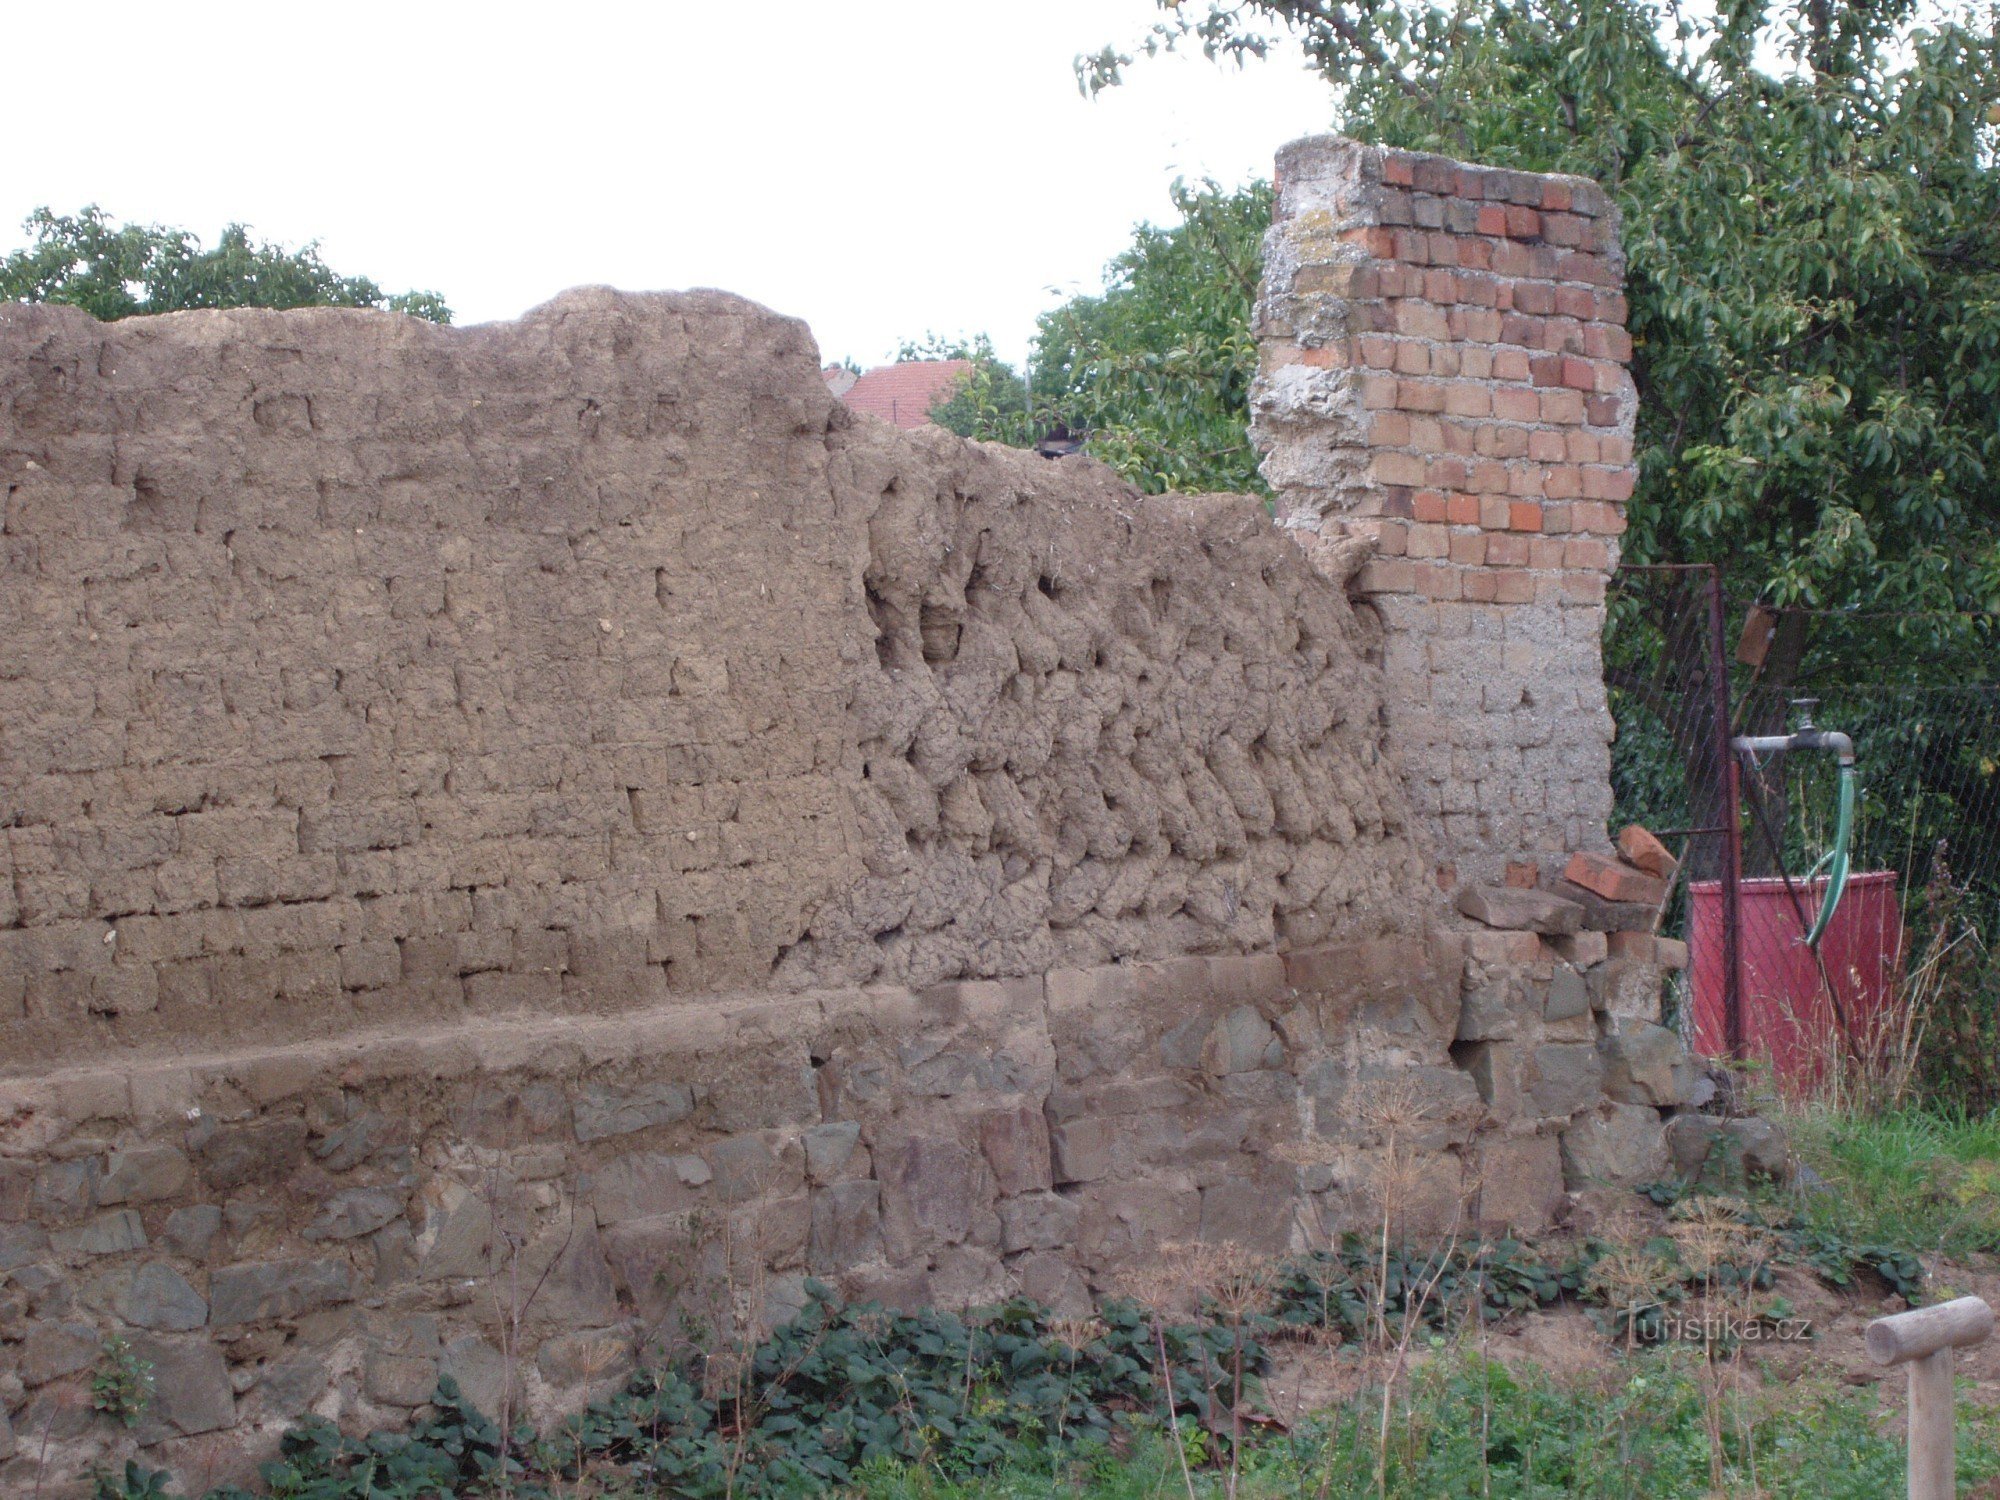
(903, 393)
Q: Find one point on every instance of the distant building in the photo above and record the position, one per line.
(902, 393)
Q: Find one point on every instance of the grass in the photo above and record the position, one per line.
(1473, 1428)
(1926, 1181)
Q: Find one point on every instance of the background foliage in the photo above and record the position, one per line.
(109, 270)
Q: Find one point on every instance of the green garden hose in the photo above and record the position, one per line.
(1833, 863)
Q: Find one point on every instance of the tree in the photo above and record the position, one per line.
(112, 271)
(1155, 369)
(1812, 224)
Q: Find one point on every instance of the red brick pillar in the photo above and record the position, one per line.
(1446, 417)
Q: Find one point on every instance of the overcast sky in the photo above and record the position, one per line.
(880, 167)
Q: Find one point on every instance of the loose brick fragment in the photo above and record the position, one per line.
(1613, 879)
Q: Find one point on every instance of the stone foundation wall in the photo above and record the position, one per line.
(1447, 420)
(326, 1226)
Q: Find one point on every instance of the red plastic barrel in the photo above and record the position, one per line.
(1789, 1014)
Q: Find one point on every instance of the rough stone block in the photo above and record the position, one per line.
(1615, 1145)
(1520, 1181)
(1521, 910)
(256, 1292)
(1602, 916)
(1725, 1153)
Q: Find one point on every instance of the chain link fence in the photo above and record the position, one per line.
(1901, 996)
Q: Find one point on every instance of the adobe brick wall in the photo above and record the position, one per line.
(361, 672)
(1447, 418)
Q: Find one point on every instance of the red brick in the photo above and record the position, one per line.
(1514, 404)
(1583, 588)
(1556, 516)
(1419, 395)
(1478, 325)
(1506, 549)
(1586, 553)
(1510, 364)
(1562, 408)
(1521, 330)
(1545, 552)
(1475, 255)
(1499, 441)
(1523, 223)
(1576, 302)
(1387, 576)
(1643, 852)
(1413, 357)
(1480, 291)
(1555, 196)
(1391, 467)
(1325, 357)
(1481, 587)
(1493, 512)
(1380, 243)
(1429, 505)
(1614, 449)
(1562, 482)
(1523, 515)
(1399, 500)
(1613, 879)
(1420, 320)
(1444, 249)
(1489, 477)
(1455, 437)
(1610, 307)
(1567, 230)
(1580, 447)
(1511, 259)
(1439, 581)
(1525, 480)
(1545, 370)
(1475, 362)
(1429, 541)
(1546, 446)
(1468, 400)
(1396, 169)
(1468, 549)
(1378, 391)
(1471, 183)
(1579, 374)
(1607, 484)
(1493, 219)
(1601, 341)
(1534, 297)
(1433, 174)
(1389, 429)
(1599, 518)
(1462, 510)
(1603, 410)
(1441, 286)
(1513, 587)
(1446, 474)
(1392, 538)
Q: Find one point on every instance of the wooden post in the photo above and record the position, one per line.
(1923, 1339)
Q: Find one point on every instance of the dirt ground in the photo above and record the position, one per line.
(1565, 1342)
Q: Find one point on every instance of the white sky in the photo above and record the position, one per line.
(881, 168)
